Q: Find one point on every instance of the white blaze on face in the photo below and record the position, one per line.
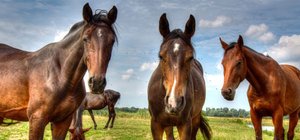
(99, 33)
(176, 47)
(172, 98)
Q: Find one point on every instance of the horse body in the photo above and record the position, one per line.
(274, 89)
(109, 98)
(93, 102)
(46, 85)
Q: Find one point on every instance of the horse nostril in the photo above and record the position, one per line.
(91, 81)
(166, 100)
(182, 101)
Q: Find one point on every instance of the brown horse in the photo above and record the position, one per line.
(274, 89)
(176, 90)
(94, 102)
(46, 85)
(109, 98)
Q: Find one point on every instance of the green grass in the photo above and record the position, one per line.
(136, 126)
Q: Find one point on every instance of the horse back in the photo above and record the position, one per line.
(292, 94)
(7, 52)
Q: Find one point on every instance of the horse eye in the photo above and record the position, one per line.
(191, 58)
(85, 39)
(239, 63)
(160, 57)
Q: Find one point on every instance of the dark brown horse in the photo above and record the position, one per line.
(109, 98)
(176, 90)
(94, 102)
(274, 89)
(46, 85)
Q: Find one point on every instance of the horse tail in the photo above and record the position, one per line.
(205, 128)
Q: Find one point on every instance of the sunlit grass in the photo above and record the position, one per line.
(136, 126)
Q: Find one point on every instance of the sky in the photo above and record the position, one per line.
(267, 26)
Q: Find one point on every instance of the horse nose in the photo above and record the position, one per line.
(226, 91)
(97, 85)
(227, 94)
(173, 106)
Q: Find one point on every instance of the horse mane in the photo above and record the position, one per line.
(97, 20)
(232, 44)
(177, 33)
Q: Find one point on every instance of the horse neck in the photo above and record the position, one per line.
(258, 69)
(73, 67)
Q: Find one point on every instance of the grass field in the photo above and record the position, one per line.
(136, 126)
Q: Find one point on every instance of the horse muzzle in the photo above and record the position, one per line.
(174, 106)
(228, 94)
(97, 85)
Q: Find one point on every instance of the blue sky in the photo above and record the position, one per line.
(271, 26)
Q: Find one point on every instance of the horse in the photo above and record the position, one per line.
(46, 85)
(109, 98)
(93, 102)
(176, 90)
(274, 89)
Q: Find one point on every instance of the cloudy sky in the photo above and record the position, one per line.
(271, 26)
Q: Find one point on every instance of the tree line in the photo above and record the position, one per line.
(212, 112)
(226, 112)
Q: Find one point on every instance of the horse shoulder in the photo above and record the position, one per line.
(156, 93)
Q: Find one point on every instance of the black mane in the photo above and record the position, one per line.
(177, 33)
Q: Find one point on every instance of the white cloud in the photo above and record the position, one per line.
(128, 74)
(218, 22)
(148, 66)
(287, 50)
(260, 32)
(59, 35)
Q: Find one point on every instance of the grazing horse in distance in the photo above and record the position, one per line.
(93, 102)
(176, 90)
(109, 98)
(46, 85)
(274, 89)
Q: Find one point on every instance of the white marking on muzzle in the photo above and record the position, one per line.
(172, 98)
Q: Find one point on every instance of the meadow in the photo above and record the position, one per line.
(136, 126)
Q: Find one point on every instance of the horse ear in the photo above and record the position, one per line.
(71, 130)
(87, 12)
(240, 41)
(112, 14)
(86, 129)
(190, 27)
(164, 25)
(224, 44)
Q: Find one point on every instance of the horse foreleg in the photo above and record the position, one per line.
(37, 126)
(292, 124)
(157, 130)
(185, 130)
(169, 133)
(277, 119)
(256, 121)
(92, 116)
(60, 129)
